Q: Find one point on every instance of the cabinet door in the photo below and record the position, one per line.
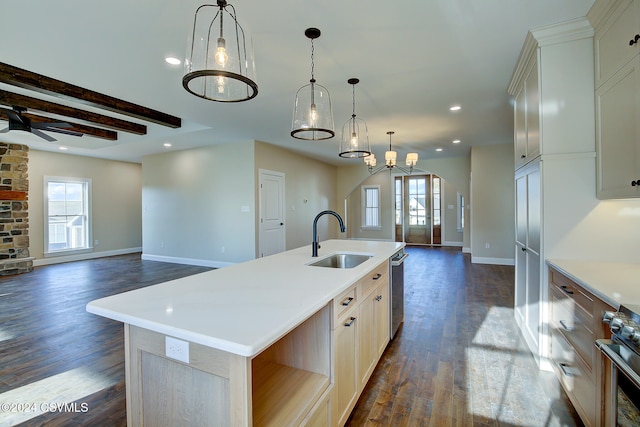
(520, 128)
(612, 40)
(382, 318)
(533, 113)
(533, 297)
(346, 380)
(366, 339)
(617, 135)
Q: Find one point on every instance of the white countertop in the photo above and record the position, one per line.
(246, 307)
(614, 282)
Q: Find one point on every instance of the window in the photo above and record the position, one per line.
(67, 215)
(436, 200)
(460, 212)
(398, 183)
(417, 201)
(371, 206)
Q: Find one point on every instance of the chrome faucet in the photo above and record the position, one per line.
(315, 245)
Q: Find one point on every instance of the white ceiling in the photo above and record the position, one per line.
(414, 60)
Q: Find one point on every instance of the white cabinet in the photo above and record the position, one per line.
(554, 146)
(527, 117)
(361, 333)
(617, 65)
(528, 295)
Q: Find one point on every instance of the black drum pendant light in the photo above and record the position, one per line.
(355, 135)
(219, 66)
(312, 116)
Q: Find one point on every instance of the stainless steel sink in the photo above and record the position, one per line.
(341, 260)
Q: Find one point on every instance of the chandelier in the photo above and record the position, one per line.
(390, 158)
(219, 66)
(355, 135)
(312, 116)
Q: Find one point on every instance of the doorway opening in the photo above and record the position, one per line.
(418, 209)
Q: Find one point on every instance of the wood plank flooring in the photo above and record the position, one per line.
(457, 360)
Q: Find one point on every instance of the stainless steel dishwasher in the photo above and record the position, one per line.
(397, 290)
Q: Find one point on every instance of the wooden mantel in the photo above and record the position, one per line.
(13, 195)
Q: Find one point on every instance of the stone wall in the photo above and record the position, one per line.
(14, 214)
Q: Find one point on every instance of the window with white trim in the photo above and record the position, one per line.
(67, 203)
(460, 212)
(371, 206)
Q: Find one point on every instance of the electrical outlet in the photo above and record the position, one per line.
(176, 349)
(487, 246)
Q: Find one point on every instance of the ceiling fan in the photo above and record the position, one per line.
(18, 121)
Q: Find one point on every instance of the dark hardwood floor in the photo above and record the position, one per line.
(457, 360)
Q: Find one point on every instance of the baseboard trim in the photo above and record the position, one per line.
(466, 250)
(454, 244)
(83, 256)
(494, 261)
(187, 261)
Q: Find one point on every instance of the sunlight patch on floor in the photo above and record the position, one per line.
(5, 336)
(50, 395)
(504, 387)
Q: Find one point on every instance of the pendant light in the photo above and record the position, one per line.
(219, 66)
(390, 160)
(312, 116)
(355, 135)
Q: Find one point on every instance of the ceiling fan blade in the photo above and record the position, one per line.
(64, 131)
(46, 125)
(12, 115)
(42, 135)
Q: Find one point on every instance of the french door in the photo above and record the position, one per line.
(418, 209)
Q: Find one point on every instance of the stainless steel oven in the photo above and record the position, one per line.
(621, 373)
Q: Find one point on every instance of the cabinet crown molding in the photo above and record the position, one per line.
(562, 32)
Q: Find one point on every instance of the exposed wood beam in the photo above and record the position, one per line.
(37, 82)
(13, 195)
(76, 127)
(13, 99)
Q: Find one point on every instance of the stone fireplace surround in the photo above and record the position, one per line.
(14, 213)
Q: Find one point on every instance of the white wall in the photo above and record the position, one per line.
(310, 187)
(116, 205)
(193, 203)
(492, 204)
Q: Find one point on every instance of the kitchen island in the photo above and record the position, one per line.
(249, 344)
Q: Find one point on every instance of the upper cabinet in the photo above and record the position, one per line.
(527, 116)
(617, 84)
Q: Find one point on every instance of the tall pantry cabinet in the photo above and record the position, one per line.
(554, 150)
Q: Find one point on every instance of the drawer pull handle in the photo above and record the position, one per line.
(347, 301)
(567, 370)
(634, 40)
(566, 327)
(377, 276)
(379, 298)
(566, 290)
(350, 322)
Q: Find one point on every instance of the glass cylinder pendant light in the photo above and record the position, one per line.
(219, 66)
(312, 115)
(355, 135)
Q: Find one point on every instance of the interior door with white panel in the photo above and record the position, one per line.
(272, 206)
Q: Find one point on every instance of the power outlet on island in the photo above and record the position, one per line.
(177, 349)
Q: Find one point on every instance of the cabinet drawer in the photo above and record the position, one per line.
(345, 301)
(575, 378)
(574, 324)
(572, 290)
(373, 278)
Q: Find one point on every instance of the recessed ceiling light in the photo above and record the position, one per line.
(455, 108)
(172, 60)
(62, 148)
(456, 141)
(166, 144)
(438, 149)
